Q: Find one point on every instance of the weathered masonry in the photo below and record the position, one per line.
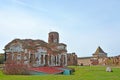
(38, 52)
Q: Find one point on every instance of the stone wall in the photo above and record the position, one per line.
(112, 60)
(71, 59)
(84, 61)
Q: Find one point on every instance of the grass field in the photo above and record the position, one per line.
(81, 73)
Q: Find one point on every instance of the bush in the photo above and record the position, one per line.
(1, 59)
(14, 68)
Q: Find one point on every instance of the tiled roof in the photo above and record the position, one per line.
(48, 70)
(99, 50)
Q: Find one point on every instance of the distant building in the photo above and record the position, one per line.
(38, 52)
(97, 58)
(99, 53)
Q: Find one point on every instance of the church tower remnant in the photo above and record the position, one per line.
(53, 37)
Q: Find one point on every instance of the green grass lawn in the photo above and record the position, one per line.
(81, 73)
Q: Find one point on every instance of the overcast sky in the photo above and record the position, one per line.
(82, 24)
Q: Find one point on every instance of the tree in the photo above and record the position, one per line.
(1, 59)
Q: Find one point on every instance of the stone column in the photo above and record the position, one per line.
(48, 59)
(39, 59)
(62, 59)
(59, 59)
(66, 59)
(51, 60)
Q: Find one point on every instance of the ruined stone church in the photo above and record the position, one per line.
(40, 53)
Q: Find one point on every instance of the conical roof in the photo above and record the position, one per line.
(99, 50)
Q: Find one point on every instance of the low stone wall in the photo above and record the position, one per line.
(115, 61)
(84, 61)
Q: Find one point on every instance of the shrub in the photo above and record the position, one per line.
(14, 68)
(1, 59)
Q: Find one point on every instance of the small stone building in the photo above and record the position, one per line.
(38, 52)
(98, 58)
(99, 53)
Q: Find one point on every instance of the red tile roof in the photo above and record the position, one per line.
(48, 70)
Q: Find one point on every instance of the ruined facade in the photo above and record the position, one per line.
(38, 52)
(114, 61)
(71, 59)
